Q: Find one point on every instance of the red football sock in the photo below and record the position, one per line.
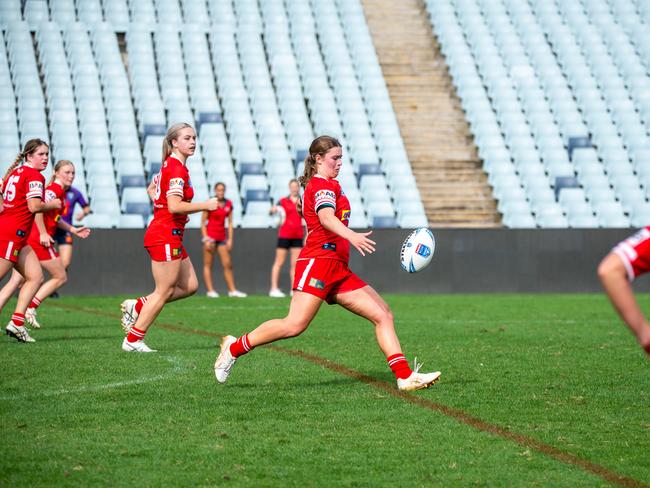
(399, 365)
(18, 319)
(241, 347)
(135, 334)
(138, 306)
(35, 303)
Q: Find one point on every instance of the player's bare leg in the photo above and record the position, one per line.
(302, 311)
(208, 258)
(165, 275)
(29, 267)
(367, 303)
(187, 282)
(295, 252)
(280, 257)
(7, 291)
(65, 253)
(615, 281)
(226, 263)
(58, 278)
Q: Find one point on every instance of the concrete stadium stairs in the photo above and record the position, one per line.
(445, 163)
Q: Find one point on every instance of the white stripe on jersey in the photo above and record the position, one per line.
(10, 248)
(305, 273)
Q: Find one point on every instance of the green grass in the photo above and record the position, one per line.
(76, 411)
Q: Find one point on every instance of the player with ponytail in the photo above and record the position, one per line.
(322, 274)
(41, 242)
(172, 269)
(22, 199)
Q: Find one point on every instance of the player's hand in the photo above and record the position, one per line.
(361, 242)
(229, 244)
(211, 204)
(45, 239)
(81, 232)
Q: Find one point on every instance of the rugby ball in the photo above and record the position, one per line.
(417, 250)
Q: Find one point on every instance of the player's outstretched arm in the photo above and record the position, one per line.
(358, 239)
(36, 205)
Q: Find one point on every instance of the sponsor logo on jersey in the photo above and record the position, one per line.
(314, 283)
(329, 246)
(324, 198)
(49, 195)
(21, 233)
(345, 216)
(177, 232)
(176, 251)
(35, 185)
(16, 252)
(176, 183)
(423, 250)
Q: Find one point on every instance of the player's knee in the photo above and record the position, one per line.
(296, 327)
(384, 317)
(610, 266)
(62, 278)
(192, 287)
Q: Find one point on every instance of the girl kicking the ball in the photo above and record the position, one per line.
(322, 274)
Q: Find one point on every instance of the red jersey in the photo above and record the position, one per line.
(216, 225)
(291, 228)
(16, 220)
(168, 228)
(321, 243)
(51, 217)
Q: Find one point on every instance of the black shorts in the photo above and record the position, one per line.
(287, 243)
(62, 237)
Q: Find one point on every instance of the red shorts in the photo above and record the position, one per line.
(325, 278)
(9, 250)
(635, 253)
(167, 252)
(43, 253)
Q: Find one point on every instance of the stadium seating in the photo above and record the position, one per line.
(252, 77)
(554, 89)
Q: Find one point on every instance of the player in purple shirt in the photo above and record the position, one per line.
(63, 238)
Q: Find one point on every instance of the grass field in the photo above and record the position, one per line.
(536, 391)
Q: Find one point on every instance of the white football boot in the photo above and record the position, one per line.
(30, 317)
(129, 315)
(212, 294)
(417, 380)
(237, 294)
(137, 346)
(276, 293)
(19, 333)
(225, 361)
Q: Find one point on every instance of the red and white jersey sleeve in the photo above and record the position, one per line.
(172, 180)
(16, 220)
(324, 193)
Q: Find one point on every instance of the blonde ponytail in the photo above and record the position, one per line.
(172, 133)
(319, 146)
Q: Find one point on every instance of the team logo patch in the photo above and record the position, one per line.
(177, 232)
(15, 252)
(329, 246)
(20, 233)
(345, 216)
(423, 250)
(314, 283)
(176, 251)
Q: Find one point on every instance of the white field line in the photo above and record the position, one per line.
(176, 368)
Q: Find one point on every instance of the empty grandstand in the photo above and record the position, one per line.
(554, 103)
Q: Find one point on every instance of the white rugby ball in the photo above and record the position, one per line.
(417, 250)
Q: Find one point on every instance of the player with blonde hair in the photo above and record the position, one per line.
(172, 269)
